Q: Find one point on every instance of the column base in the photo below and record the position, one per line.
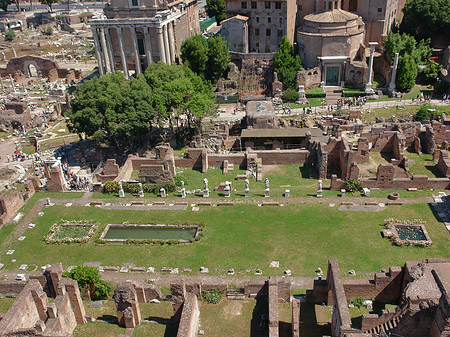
(368, 88)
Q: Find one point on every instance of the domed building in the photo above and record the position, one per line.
(333, 41)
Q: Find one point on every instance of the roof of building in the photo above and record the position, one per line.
(236, 17)
(259, 108)
(331, 16)
(280, 133)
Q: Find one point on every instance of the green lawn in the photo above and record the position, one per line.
(300, 236)
(423, 165)
(400, 112)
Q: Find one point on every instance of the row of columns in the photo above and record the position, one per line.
(105, 54)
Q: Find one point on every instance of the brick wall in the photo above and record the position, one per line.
(189, 317)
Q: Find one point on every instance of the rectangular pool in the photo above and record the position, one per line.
(149, 232)
(411, 234)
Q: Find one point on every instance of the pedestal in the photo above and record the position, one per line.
(287, 193)
(319, 194)
(183, 193)
(227, 192)
(267, 193)
(205, 193)
(121, 194)
(247, 192)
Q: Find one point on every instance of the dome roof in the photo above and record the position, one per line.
(331, 16)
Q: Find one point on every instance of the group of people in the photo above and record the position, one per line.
(74, 182)
(358, 101)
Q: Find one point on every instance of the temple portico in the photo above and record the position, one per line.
(129, 43)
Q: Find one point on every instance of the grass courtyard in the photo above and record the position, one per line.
(301, 236)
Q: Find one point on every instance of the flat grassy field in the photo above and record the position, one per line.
(301, 236)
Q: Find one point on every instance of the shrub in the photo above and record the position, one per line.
(113, 187)
(89, 277)
(353, 185)
(212, 296)
(102, 289)
(423, 114)
(290, 95)
(358, 302)
(179, 178)
(10, 35)
(47, 31)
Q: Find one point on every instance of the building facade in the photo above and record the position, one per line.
(135, 33)
(268, 22)
(378, 15)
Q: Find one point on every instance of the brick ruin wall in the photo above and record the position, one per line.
(189, 316)
(273, 307)
(32, 313)
(11, 203)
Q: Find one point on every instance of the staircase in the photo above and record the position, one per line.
(333, 94)
(385, 329)
(235, 294)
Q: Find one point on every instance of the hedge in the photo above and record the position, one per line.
(316, 95)
(113, 187)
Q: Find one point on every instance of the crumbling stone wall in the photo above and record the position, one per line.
(15, 115)
(443, 163)
(273, 307)
(127, 304)
(11, 203)
(189, 316)
(310, 78)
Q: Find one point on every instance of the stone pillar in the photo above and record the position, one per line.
(98, 54)
(171, 41)
(245, 38)
(166, 44)
(137, 61)
(369, 80)
(105, 51)
(148, 46)
(110, 50)
(122, 52)
(394, 74)
(162, 55)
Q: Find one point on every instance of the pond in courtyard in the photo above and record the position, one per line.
(411, 233)
(149, 232)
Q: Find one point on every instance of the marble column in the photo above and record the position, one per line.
(122, 53)
(394, 74)
(162, 55)
(166, 44)
(105, 50)
(369, 81)
(98, 54)
(148, 46)
(137, 61)
(171, 41)
(110, 49)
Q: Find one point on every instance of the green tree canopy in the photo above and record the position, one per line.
(89, 278)
(178, 92)
(287, 64)
(112, 109)
(207, 58)
(406, 73)
(50, 3)
(5, 3)
(216, 8)
(406, 44)
(426, 18)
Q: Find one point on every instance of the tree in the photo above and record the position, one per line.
(406, 44)
(426, 18)
(216, 8)
(89, 278)
(50, 3)
(287, 64)
(218, 58)
(113, 110)
(10, 35)
(194, 53)
(207, 58)
(179, 94)
(431, 72)
(406, 73)
(290, 95)
(4, 4)
(423, 114)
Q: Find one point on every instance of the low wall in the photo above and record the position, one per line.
(11, 286)
(10, 204)
(284, 157)
(273, 307)
(189, 317)
(420, 182)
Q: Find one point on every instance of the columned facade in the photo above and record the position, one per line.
(132, 43)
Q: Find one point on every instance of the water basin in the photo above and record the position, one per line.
(149, 232)
(411, 234)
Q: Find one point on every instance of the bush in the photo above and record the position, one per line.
(10, 35)
(316, 95)
(89, 277)
(212, 296)
(353, 185)
(113, 187)
(358, 302)
(179, 178)
(102, 289)
(423, 114)
(290, 95)
(47, 31)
